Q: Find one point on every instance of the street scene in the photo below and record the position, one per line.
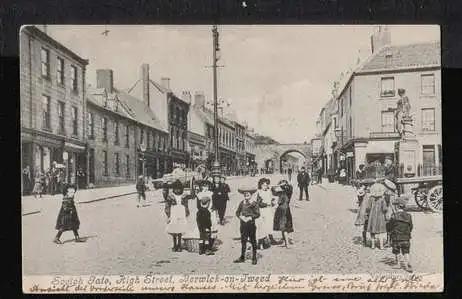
(231, 149)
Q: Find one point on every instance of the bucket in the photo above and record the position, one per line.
(191, 244)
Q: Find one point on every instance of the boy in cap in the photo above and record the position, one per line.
(400, 230)
(247, 212)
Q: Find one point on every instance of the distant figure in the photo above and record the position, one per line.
(360, 173)
(141, 190)
(303, 180)
(289, 174)
(26, 179)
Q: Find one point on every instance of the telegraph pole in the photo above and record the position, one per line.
(216, 168)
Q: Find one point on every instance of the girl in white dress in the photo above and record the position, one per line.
(177, 223)
(264, 223)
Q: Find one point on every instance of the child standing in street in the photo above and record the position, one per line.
(204, 218)
(67, 217)
(247, 212)
(401, 227)
(141, 189)
(179, 211)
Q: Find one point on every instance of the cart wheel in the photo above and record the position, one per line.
(435, 198)
(421, 200)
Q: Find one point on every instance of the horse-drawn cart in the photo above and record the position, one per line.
(428, 195)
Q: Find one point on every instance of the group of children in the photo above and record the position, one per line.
(382, 214)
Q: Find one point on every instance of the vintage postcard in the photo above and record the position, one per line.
(224, 158)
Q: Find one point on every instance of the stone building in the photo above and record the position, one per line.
(52, 104)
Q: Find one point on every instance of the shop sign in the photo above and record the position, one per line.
(350, 154)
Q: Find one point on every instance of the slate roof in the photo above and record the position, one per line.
(406, 56)
(91, 98)
(158, 87)
(140, 111)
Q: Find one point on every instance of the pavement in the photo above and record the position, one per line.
(32, 205)
(123, 239)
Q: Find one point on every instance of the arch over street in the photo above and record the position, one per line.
(274, 152)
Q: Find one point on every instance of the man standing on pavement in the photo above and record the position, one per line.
(303, 180)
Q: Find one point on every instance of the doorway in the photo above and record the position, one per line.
(428, 159)
(91, 166)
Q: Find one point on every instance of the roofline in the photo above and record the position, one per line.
(31, 29)
(399, 70)
(89, 101)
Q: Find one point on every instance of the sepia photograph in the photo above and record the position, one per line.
(231, 158)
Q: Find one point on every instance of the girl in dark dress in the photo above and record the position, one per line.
(203, 218)
(67, 217)
(283, 216)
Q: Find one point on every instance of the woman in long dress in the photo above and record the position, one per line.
(177, 224)
(283, 216)
(264, 223)
(377, 221)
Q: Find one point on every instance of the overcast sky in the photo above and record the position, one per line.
(276, 78)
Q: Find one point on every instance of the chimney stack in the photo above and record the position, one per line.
(186, 96)
(380, 38)
(105, 79)
(145, 83)
(165, 81)
(199, 99)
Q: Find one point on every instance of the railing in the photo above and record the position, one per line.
(422, 170)
(383, 135)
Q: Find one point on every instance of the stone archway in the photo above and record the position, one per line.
(281, 157)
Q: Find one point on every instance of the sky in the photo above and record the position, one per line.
(276, 78)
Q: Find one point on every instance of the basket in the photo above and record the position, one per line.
(191, 244)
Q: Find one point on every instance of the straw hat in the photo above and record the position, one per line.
(247, 190)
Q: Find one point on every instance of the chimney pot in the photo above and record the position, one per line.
(105, 79)
(186, 96)
(165, 81)
(145, 83)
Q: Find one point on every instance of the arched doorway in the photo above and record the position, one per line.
(292, 159)
(269, 166)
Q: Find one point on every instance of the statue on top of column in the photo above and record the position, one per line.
(403, 117)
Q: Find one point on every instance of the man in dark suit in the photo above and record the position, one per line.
(303, 180)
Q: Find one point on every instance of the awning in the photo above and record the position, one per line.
(380, 146)
(75, 147)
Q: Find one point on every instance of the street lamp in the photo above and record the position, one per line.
(143, 150)
(216, 168)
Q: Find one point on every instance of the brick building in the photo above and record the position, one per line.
(367, 99)
(52, 104)
(128, 139)
(171, 112)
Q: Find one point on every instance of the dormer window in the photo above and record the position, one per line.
(388, 60)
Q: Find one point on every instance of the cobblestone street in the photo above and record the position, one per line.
(124, 239)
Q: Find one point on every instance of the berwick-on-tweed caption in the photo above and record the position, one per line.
(154, 283)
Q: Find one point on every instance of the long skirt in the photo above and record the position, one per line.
(178, 223)
(68, 219)
(377, 222)
(283, 220)
(264, 223)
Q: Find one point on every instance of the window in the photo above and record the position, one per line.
(341, 106)
(127, 136)
(388, 60)
(127, 164)
(74, 77)
(177, 139)
(45, 59)
(117, 163)
(148, 140)
(142, 136)
(104, 128)
(46, 112)
(116, 133)
(60, 71)
(61, 118)
(428, 119)
(75, 119)
(351, 127)
(387, 87)
(105, 171)
(184, 141)
(91, 125)
(428, 84)
(388, 121)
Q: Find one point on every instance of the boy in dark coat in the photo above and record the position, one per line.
(401, 227)
(247, 212)
(67, 217)
(303, 180)
(220, 198)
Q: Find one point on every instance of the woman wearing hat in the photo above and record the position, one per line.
(247, 212)
(67, 217)
(264, 223)
(220, 198)
(377, 221)
(203, 217)
(283, 216)
(179, 211)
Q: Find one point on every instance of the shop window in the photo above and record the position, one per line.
(46, 107)
(61, 107)
(105, 163)
(428, 119)
(387, 87)
(45, 62)
(388, 121)
(60, 71)
(75, 122)
(427, 84)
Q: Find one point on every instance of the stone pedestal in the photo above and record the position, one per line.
(407, 150)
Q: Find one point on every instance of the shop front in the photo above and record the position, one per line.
(177, 159)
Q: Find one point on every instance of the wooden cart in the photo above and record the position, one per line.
(428, 194)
